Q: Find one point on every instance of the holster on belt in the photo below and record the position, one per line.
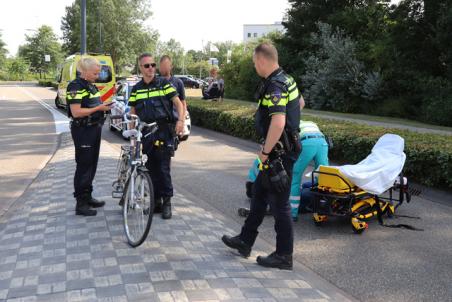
(291, 141)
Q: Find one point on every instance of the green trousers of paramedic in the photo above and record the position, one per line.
(314, 149)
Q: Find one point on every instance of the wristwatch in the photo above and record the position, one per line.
(264, 153)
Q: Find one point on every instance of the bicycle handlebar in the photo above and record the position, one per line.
(129, 118)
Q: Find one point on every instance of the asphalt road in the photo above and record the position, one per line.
(27, 139)
(382, 264)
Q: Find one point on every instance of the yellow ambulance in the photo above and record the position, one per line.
(105, 83)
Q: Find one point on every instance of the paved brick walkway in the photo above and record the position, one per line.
(49, 254)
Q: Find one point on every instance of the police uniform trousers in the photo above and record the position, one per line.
(87, 145)
(280, 209)
(159, 166)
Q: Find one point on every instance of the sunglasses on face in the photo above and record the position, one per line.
(153, 65)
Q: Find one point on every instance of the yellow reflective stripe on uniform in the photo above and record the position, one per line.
(282, 102)
(80, 94)
(169, 90)
(94, 95)
(293, 95)
(292, 86)
(148, 94)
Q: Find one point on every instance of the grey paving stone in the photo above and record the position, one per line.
(50, 254)
(167, 286)
(110, 291)
(222, 283)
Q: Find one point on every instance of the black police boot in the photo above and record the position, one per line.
(249, 189)
(158, 205)
(93, 202)
(166, 208)
(276, 261)
(83, 208)
(238, 244)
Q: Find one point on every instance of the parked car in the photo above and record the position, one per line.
(124, 88)
(188, 81)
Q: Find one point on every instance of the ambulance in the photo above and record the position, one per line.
(105, 83)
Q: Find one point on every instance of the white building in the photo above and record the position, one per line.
(255, 31)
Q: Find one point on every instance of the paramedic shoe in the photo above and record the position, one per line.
(82, 207)
(243, 212)
(295, 219)
(276, 261)
(238, 244)
(93, 202)
(166, 208)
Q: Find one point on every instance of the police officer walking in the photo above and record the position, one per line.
(87, 112)
(277, 120)
(153, 100)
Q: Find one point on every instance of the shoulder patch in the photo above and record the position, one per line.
(275, 98)
(73, 93)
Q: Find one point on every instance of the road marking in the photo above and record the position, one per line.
(61, 121)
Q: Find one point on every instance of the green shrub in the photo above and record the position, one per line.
(47, 83)
(429, 156)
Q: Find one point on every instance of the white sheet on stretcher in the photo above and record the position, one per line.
(378, 171)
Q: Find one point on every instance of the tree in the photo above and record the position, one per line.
(335, 79)
(3, 53)
(17, 69)
(173, 49)
(43, 42)
(120, 23)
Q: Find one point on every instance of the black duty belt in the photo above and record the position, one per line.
(86, 122)
(312, 136)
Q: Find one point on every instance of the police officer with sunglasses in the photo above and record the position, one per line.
(154, 99)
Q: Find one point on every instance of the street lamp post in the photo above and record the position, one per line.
(83, 27)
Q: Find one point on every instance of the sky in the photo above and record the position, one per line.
(190, 22)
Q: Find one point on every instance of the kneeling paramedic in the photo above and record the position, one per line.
(152, 99)
(277, 120)
(86, 110)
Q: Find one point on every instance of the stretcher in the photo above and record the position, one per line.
(375, 187)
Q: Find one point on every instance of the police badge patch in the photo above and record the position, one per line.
(73, 93)
(275, 98)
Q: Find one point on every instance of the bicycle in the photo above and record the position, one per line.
(134, 185)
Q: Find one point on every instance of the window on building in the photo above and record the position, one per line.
(255, 35)
(249, 35)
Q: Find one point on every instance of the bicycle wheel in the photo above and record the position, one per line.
(138, 207)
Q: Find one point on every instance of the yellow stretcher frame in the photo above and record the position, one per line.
(335, 195)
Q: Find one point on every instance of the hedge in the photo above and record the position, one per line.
(429, 156)
(47, 83)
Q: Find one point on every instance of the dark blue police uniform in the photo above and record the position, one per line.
(179, 85)
(153, 103)
(86, 133)
(278, 94)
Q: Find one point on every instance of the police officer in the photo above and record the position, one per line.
(314, 148)
(87, 112)
(153, 100)
(165, 69)
(277, 120)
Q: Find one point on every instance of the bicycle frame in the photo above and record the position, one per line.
(135, 157)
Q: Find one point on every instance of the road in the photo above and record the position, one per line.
(27, 139)
(383, 264)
